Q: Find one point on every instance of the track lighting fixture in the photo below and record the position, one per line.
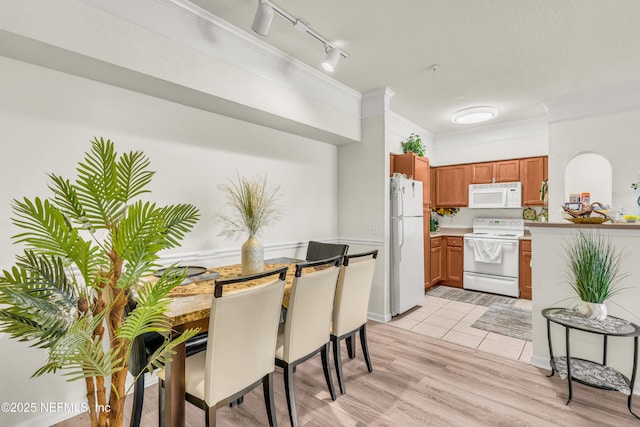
(262, 22)
(331, 59)
(263, 18)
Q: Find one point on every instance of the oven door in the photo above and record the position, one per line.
(508, 265)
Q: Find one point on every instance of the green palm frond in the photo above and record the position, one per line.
(164, 353)
(132, 175)
(66, 198)
(39, 302)
(47, 229)
(140, 231)
(80, 354)
(179, 220)
(151, 293)
(145, 319)
(135, 269)
(97, 185)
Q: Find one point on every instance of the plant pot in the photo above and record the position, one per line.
(252, 256)
(596, 311)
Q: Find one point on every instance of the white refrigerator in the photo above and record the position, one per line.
(407, 245)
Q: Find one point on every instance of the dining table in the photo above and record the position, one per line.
(189, 308)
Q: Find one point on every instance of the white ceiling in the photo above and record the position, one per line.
(511, 54)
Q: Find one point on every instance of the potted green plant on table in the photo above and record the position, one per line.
(413, 144)
(86, 249)
(254, 206)
(593, 271)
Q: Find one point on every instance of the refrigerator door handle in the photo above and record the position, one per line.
(400, 231)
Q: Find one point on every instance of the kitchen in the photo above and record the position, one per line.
(210, 146)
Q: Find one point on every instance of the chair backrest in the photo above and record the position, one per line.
(308, 319)
(351, 302)
(243, 328)
(317, 250)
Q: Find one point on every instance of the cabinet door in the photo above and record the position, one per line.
(436, 260)
(421, 173)
(481, 173)
(453, 262)
(427, 248)
(532, 174)
(452, 186)
(507, 171)
(525, 269)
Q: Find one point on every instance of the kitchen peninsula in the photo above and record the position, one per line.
(551, 289)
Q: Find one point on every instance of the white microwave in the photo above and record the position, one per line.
(496, 196)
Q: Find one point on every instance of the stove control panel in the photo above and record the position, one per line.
(504, 226)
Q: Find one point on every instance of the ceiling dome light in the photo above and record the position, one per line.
(331, 59)
(474, 115)
(262, 19)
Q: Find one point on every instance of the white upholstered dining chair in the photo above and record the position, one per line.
(241, 347)
(350, 308)
(305, 331)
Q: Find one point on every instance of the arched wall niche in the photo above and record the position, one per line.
(589, 173)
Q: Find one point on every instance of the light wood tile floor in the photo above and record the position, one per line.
(422, 381)
(451, 321)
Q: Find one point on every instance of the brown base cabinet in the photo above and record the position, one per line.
(525, 269)
(453, 269)
(435, 260)
(446, 261)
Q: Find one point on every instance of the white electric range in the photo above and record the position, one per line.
(491, 256)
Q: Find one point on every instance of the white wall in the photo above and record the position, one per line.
(524, 138)
(48, 119)
(614, 135)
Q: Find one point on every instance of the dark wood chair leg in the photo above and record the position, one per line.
(327, 373)
(351, 349)
(138, 402)
(288, 389)
(337, 359)
(365, 348)
(267, 389)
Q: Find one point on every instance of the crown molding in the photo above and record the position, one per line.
(586, 104)
(174, 19)
(376, 102)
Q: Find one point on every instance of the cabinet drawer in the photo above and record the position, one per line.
(525, 245)
(436, 242)
(454, 241)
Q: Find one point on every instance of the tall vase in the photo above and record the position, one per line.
(252, 256)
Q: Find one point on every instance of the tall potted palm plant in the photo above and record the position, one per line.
(86, 250)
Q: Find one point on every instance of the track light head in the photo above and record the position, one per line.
(331, 59)
(263, 18)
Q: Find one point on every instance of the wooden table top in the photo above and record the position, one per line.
(192, 302)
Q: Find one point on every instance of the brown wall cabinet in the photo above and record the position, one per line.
(417, 168)
(488, 172)
(525, 269)
(533, 171)
(452, 186)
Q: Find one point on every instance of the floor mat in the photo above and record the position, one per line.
(506, 320)
(472, 297)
